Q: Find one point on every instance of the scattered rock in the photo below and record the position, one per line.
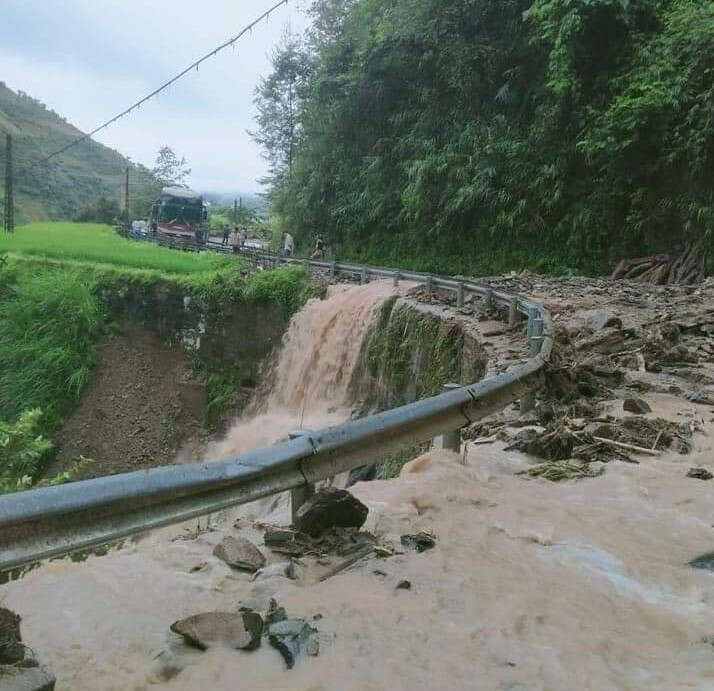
(239, 553)
(700, 474)
(404, 585)
(703, 561)
(419, 541)
(601, 319)
(26, 679)
(291, 636)
(636, 406)
(236, 630)
(11, 648)
(557, 471)
(285, 569)
(328, 508)
(701, 397)
(266, 607)
(289, 542)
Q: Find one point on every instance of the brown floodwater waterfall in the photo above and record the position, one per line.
(309, 383)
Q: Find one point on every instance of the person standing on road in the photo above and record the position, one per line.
(319, 253)
(226, 235)
(288, 245)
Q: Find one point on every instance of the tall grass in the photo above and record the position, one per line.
(49, 322)
(99, 244)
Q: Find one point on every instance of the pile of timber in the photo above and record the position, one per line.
(686, 268)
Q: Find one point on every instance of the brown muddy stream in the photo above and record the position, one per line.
(532, 585)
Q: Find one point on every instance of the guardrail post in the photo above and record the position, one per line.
(429, 285)
(460, 295)
(535, 331)
(333, 269)
(396, 280)
(299, 495)
(513, 311)
(535, 338)
(488, 298)
(451, 440)
(364, 276)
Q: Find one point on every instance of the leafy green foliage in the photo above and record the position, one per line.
(289, 286)
(104, 210)
(49, 322)
(22, 450)
(477, 135)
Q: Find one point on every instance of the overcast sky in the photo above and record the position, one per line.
(90, 59)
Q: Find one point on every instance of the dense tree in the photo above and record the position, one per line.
(104, 210)
(484, 134)
(169, 169)
(279, 99)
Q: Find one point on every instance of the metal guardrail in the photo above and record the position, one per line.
(51, 521)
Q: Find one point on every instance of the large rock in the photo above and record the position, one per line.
(239, 553)
(329, 508)
(240, 630)
(290, 637)
(11, 648)
(26, 679)
(636, 406)
(601, 319)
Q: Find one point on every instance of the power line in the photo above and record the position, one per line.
(194, 65)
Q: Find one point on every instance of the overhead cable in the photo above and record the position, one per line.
(195, 65)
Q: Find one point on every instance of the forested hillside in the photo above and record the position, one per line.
(67, 185)
(484, 134)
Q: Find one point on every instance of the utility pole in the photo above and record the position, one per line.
(9, 219)
(126, 198)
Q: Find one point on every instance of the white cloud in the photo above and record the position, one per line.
(110, 53)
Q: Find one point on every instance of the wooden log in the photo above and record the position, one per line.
(639, 269)
(619, 270)
(629, 447)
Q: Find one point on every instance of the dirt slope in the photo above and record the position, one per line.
(141, 406)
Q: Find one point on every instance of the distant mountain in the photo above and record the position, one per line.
(250, 200)
(63, 187)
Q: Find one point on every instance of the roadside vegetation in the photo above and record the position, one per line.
(55, 283)
(472, 136)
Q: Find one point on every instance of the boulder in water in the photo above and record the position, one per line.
(26, 679)
(330, 508)
(290, 637)
(240, 630)
(636, 406)
(239, 553)
(11, 648)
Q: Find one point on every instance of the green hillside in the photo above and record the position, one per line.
(66, 185)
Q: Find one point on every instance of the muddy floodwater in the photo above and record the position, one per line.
(532, 585)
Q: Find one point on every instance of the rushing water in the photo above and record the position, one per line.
(309, 384)
(532, 585)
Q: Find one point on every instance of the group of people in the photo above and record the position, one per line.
(239, 238)
(318, 253)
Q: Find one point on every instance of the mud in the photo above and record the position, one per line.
(531, 584)
(144, 402)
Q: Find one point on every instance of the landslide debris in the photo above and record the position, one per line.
(330, 508)
(239, 553)
(256, 618)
